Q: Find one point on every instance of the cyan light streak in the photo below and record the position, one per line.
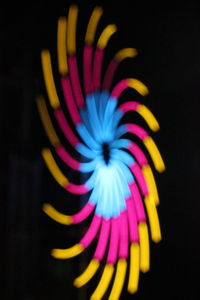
(103, 100)
(85, 151)
(124, 171)
(109, 109)
(88, 166)
(93, 117)
(85, 118)
(111, 200)
(123, 156)
(97, 118)
(121, 130)
(120, 143)
(114, 121)
(107, 123)
(93, 199)
(87, 137)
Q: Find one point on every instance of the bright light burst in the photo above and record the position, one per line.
(122, 185)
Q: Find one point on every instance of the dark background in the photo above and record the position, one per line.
(167, 38)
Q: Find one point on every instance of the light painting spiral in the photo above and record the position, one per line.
(123, 194)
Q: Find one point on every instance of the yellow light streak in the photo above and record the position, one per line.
(144, 247)
(134, 268)
(106, 35)
(56, 215)
(125, 53)
(87, 274)
(53, 168)
(71, 30)
(139, 86)
(154, 153)
(46, 121)
(119, 280)
(149, 117)
(151, 184)
(92, 25)
(67, 253)
(62, 46)
(49, 80)
(103, 283)
(153, 220)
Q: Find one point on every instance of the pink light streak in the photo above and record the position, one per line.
(128, 106)
(91, 233)
(138, 154)
(67, 158)
(114, 241)
(140, 178)
(123, 246)
(65, 127)
(98, 59)
(83, 213)
(76, 189)
(132, 220)
(108, 78)
(119, 88)
(69, 99)
(87, 69)
(75, 81)
(138, 202)
(137, 130)
(103, 239)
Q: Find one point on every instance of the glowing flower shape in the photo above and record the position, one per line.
(122, 185)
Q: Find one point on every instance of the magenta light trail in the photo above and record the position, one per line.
(120, 157)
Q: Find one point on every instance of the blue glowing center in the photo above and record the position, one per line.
(108, 162)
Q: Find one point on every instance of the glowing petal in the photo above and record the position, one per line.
(74, 75)
(105, 36)
(134, 268)
(114, 241)
(87, 69)
(148, 116)
(103, 239)
(49, 80)
(139, 177)
(124, 53)
(70, 101)
(119, 280)
(104, 282)
(144, 247)
(64, 126)
(53, 168)
(46, 121)
(55, 215)
(153, 219)
(50, 131)
(91, 232)
(155, 154)
(71, 32)
(138, 86)
(62, 46)
(153, 193)
(92, 25)
(111, 69)
(67, 253)
(123, 245)
(87, 274)
(137, 153)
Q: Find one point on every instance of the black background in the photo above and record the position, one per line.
(167, 38)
